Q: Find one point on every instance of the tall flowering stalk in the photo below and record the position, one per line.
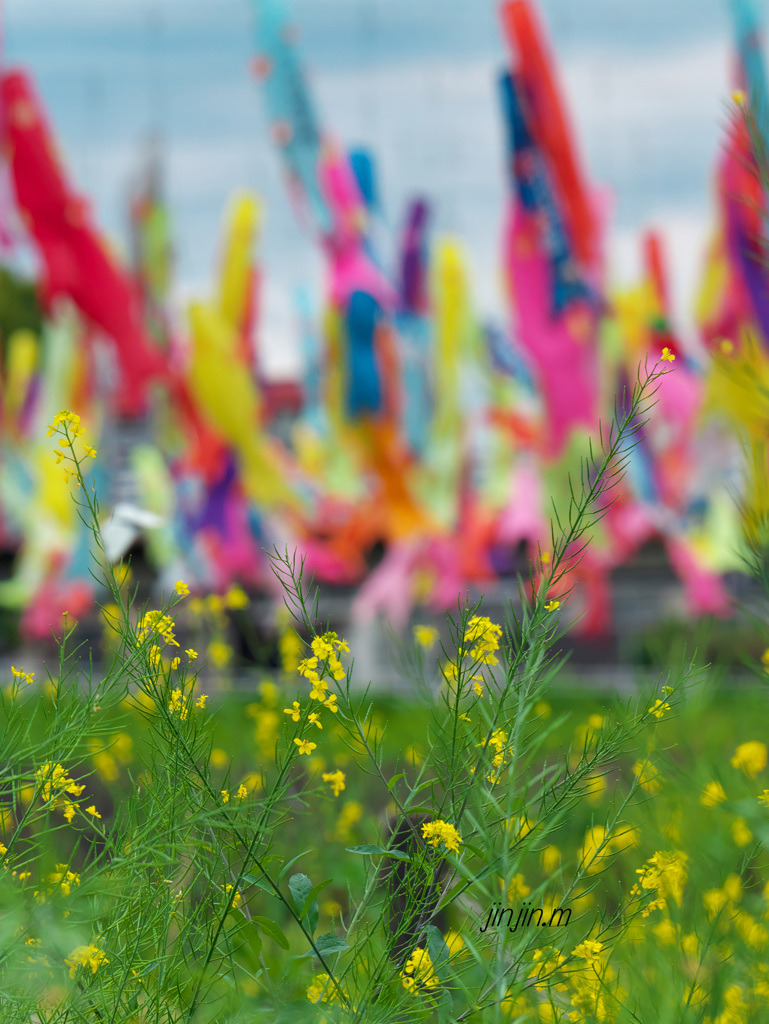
(185, 902)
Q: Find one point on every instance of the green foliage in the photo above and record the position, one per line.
(143, 883)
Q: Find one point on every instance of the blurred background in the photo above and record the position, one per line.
(647, 89)
(359, 279)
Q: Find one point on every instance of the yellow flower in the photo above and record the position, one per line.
(181, 588)
(589, 950)
(219, 758)
(64, 879)
(336, 780)
(307, 668)
(319, 691)
(658, 708)
(92, 811)
(454, 942)
(85, 956)
(201, 701)
(290, 647)
(596, 848)
(322, 646)
(54, 777)
(295, 712)
(426, 636)
(225, 795)
(552, 605)
(648, 776)
(750, 757)
(320, 990)
(314, 719)
(88, 450)
(419, 971)
(764, 798)
(550, 859)
(305, 747)
(438, 831)
(175, 662)
(237, 899)
(518, 890)
(331, 703)
(712, 795)
(22, 676)
(317, 987)
(351, 813)
(236, 597)
(335, 668)
(219, 653)
(667, 355)
(191, 654)
(68, 810)
(177, 703)
(242, 792)
(665, 872)
(485, 636)
(665, 931)
(740, 832)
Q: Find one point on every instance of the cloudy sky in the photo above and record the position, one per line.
(415, 80)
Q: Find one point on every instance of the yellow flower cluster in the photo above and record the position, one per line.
(25, 678)
(325, 655)
(67, 426)
(590, 950)
(65, 420)
(324, 659)
(501, 757)
(55, 781)
(237, 899)
(320, 989)
(485, 636)
(547, 962)
(156, 622)
(317, 987)
(666, 873)
(419, 971)
(61, 879)
(177, 704)
(85, 956)
(336, 780)
(436, 832)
